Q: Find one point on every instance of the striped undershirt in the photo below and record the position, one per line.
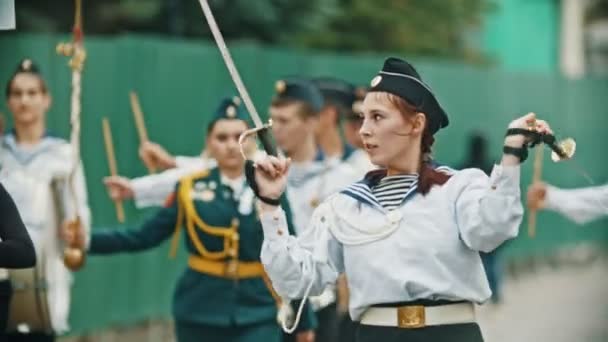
(391, 190)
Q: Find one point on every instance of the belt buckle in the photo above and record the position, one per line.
(231, 269)
(411, 316)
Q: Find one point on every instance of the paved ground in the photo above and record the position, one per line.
(568, 303)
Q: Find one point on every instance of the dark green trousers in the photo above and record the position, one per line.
(261, 332)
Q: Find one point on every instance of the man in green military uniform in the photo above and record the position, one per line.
(224, 294)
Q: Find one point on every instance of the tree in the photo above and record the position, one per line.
(421, 27)
(268, 21)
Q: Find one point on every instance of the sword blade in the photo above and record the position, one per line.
(236, 78)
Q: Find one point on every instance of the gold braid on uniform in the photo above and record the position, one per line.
(187, 214)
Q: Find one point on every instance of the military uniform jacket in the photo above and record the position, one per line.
(428, 248)
(198, 297)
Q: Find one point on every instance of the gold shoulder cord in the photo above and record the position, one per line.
(187, 212)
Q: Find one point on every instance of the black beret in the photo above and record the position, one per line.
(399, 78)
(336, 91)
(299, 89)
(230, 108)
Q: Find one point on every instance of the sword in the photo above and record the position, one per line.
(285, 313)
(261, 129)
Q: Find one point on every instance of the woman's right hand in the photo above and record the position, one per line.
(119, 188)
(271, 175)
(72, 234)
(155, 156)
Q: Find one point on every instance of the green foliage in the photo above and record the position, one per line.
(421, 27)
(597, 10)
(268, 21)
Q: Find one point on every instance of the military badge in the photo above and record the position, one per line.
(207, 195)
(376, 80)
(231, 112)
(280, 86)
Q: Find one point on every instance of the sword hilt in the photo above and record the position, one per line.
(263, 133)
(266, 140)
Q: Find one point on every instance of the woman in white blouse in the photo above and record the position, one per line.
(407, 236)
(31, 161)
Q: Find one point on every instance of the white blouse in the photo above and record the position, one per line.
(428, 248)
(27, 174)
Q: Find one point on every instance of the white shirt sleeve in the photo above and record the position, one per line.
(293, 263)
(489, 211)
(189, 162)
(152, 190)
(579, 205)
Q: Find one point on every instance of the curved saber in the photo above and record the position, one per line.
(221, 44)
(236, 78)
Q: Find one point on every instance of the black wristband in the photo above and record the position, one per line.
(250, 176)
(519, 152)
(533, 137)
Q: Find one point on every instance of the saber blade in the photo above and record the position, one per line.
(221, 44)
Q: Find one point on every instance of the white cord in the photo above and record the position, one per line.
(301, 307)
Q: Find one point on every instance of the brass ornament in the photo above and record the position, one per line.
(73, 256)
(26, 65)
(567, 145)
(231, 112)
(280, 86)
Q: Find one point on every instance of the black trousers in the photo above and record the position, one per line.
(328, 328)
(468, 332)
(34, 337)
(347, 329)
(329, 324)
(5, 300)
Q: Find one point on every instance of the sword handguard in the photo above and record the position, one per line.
(266, 140)
(562, 149)
(263, 134)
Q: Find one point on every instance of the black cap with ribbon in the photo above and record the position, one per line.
(399, 78)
